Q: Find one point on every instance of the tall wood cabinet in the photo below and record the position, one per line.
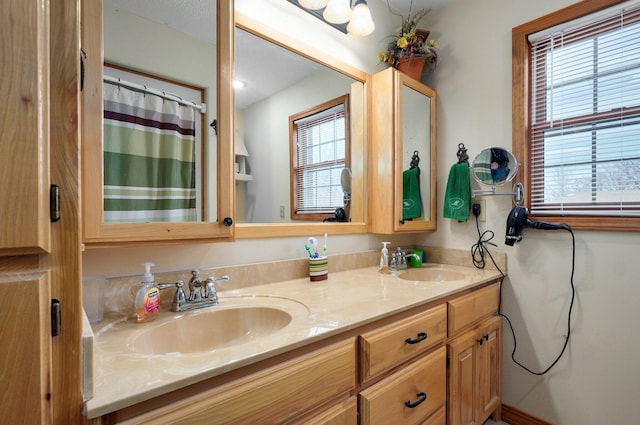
(39, 259)
(403, 126)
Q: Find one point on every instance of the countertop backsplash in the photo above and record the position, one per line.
(120, 291)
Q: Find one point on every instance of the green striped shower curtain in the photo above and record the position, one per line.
(149, 157)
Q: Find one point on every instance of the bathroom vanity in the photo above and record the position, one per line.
(381, 347)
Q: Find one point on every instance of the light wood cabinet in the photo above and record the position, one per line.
(39, 259)
(274, 395)
(97, 232)
(393, 371)
(345, 413)
(24, 130)
(475, 358)
(403, 122)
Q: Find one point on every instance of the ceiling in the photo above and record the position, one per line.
(278, 68)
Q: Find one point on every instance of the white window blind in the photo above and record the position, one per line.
(585, 118)
(321, 143)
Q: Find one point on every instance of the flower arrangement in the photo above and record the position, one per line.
(411, 42)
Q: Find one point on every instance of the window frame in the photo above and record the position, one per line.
(341, 100)
(521, 100)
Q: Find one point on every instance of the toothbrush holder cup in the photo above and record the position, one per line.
(318, 268)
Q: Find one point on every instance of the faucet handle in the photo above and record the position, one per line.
(210, 286)
(179, 298)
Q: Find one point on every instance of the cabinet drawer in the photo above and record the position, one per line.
(471, 308)
(345, 413)
(385, 402)
(387, 347)
(438, 418)
(274, 395)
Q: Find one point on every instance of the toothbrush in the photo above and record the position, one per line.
(324, 249)
(308, 248)
(314, 243)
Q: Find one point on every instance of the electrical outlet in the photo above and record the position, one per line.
(281, 211)
(483, 208)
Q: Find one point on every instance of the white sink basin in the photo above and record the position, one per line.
(236, 320)
(209, 329)
(432, 274)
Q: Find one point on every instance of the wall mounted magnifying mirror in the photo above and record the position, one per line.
(290, 94)
(495, 167)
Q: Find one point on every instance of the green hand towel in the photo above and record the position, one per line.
(457, 197)
(411, 200)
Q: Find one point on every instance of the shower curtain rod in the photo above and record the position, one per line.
(144, 89)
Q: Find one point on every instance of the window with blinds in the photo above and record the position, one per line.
(585, 117)
(320, 147)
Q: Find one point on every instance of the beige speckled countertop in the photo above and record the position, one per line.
(347, 300)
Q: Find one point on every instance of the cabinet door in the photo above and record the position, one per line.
(489, 380)
(25, 358)
(403, 123)
(462, 371)
(275, 395)
(475, 360)
(24, 128)
(217, 211)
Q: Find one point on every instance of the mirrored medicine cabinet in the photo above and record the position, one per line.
(402, 191)
(130, 38)
(311, 77)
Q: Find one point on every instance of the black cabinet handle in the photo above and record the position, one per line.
(412, 404)
(421, 337)
(486, 337)
(480, 341)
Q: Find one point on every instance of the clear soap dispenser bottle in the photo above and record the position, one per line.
(384, 258)
(147, 302)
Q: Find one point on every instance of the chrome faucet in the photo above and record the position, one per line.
(201, 294)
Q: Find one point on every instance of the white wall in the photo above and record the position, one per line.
(266, 135)
(597, 380)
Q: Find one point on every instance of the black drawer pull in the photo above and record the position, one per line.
(421, 337)
(421, 397)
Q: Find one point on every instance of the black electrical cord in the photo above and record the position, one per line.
(478, 253)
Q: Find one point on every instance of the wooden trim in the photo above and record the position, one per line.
(515, 416)
(66, 257)
(308, 51)
(521, 75)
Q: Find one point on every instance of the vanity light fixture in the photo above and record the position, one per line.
(348, 16)
(361, 23)
(337, 11)
(314, 4)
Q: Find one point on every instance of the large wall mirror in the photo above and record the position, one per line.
(170, 180)
(280, 80)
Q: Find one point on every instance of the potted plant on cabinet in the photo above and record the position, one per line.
(411, 49)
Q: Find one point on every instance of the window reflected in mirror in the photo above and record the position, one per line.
(281, 90)
(319, 145)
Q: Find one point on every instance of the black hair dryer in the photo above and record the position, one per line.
(519, 218)
(516, 221)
